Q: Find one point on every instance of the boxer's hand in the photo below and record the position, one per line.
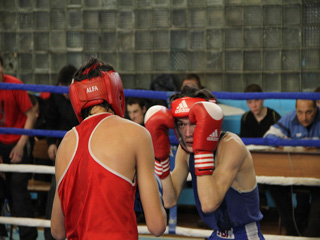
(208, 118)
(158, 120)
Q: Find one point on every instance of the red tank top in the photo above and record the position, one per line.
(13, 105)
(97, 202)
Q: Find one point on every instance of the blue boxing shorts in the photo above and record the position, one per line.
(247, 232)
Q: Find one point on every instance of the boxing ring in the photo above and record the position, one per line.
(172, 229)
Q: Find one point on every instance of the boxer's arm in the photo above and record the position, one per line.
(173, 184)
(58, 230)
(63, 157)
(158, 120)
(213, 188)
(155, 215)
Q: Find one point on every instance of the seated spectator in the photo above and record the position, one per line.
(192, 80)
(136, 109)
(258, 120)
(302, 123)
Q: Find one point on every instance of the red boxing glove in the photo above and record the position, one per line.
(208, 118)
(158, 120)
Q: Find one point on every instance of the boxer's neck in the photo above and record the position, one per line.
(99, 109)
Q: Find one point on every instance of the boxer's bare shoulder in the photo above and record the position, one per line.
(123, 128)
(65, 152)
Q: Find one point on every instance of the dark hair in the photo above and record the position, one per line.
(189, 91)
(317, 89)
(65, 75)
(135, 100)
(253, 88)
(163, 82)
(314, 102)
(33, 99)
(86, 111)
(92, 69)
(1, 61)
(193, 76)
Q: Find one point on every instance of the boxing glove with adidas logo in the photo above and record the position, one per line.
(207, 117)
(158, 120)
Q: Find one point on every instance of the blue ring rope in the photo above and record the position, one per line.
(33, 132)
(165, 95)
(173, 139)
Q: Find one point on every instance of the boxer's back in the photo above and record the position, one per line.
(115, 143)
(89, 176)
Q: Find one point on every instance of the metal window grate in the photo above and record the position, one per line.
(178, 60)
(224, 41)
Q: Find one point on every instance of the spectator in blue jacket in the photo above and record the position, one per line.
(302, 123)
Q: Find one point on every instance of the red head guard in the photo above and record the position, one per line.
(90, 92)
(180, 108)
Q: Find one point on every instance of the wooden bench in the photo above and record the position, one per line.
(38, 186)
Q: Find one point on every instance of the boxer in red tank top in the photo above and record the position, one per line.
(100, 163)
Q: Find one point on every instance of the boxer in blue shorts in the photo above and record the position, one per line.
(223, 176)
